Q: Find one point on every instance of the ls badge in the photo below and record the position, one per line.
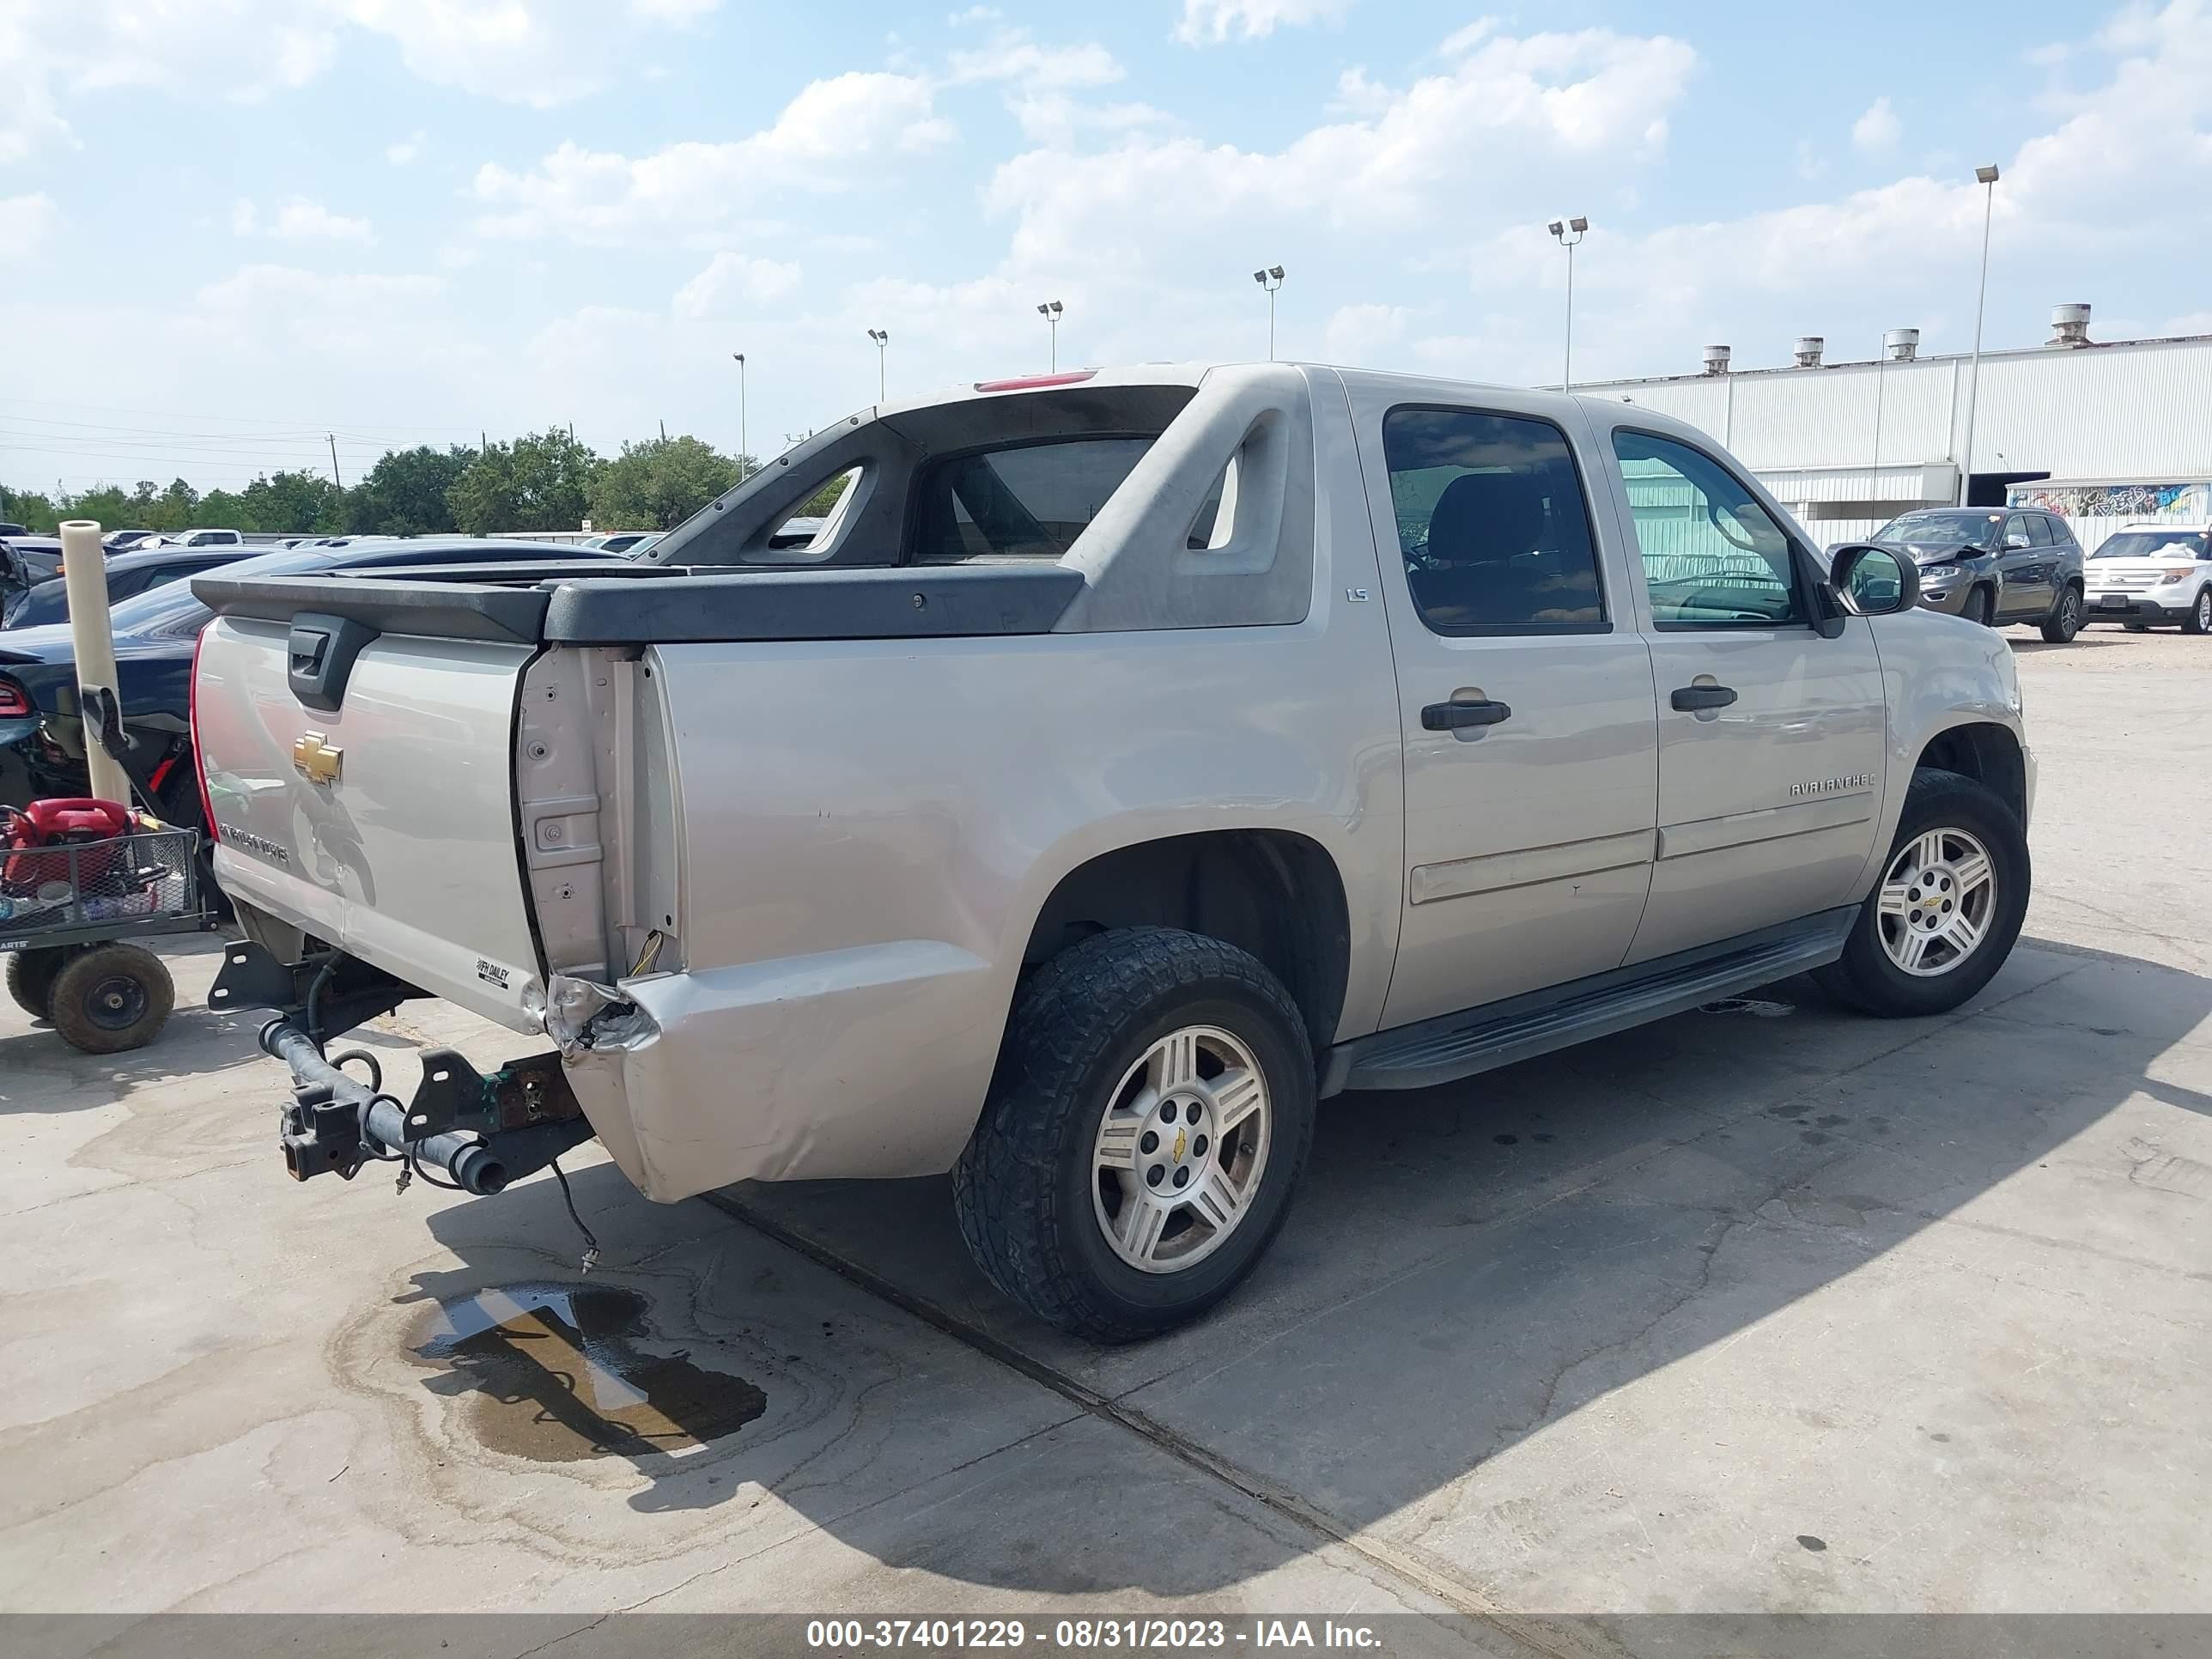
(314, 759)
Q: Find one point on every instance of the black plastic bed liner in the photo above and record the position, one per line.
(662, 604)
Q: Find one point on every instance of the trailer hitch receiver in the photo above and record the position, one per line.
(481, 1133)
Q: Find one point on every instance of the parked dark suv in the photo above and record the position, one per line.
(1995, 566)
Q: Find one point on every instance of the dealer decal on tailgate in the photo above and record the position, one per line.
(492, 974)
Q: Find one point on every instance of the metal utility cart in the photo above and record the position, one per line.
(65, 911)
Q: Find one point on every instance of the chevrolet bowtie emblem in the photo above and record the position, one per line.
(315, 760)
(1179, 1145)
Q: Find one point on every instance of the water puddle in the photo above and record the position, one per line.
(555, 1373)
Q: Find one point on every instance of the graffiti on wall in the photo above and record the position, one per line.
(2185, 502)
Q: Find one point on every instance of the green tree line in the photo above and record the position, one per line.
(542, 481)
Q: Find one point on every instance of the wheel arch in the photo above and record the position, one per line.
(1274, 893)
(1985, 752)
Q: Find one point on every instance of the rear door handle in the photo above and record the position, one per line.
(1450, 716)
(1691, 698)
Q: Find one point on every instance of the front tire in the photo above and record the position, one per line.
(2064, 621)
(1981, 608)
(1949, 906)
(1152, 1107)
(2199, 619)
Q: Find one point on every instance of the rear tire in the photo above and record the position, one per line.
(31, 975)
(2199, 619)
(111, 998)
(1152, 1107)
(1947, 907)
(1981, 607)
(2064, 621)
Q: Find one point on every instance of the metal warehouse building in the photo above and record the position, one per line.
(2107, 434)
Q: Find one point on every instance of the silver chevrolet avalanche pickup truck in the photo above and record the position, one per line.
(1129, 761)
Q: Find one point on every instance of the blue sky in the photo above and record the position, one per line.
(229, 226)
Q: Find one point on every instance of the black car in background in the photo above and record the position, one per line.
(25, 561)
(41, 736)
(129, 574)
(1995, 565)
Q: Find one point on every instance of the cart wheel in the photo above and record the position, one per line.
(111, 998)
(31, 975)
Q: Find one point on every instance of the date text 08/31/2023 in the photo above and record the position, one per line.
(856, 1635)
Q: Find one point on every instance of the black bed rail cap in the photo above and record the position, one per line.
(440, 609)
(905, 602)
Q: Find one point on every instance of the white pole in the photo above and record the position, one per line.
(84, 574)
(1974, 377)
(1567, 367)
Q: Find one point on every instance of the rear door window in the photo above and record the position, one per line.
(1030, 502)
(1492, 523)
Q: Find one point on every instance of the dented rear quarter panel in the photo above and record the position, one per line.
(870, 831)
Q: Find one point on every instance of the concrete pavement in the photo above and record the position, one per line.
(1776, 1310)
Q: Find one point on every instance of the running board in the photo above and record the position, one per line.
(1453, 1046)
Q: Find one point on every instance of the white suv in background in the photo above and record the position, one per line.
(2147, 575)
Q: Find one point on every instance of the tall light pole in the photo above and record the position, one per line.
(882, 337)
(1050, 311)
(1270, 278)
(1987, 178)
(745, 450)
(1569, 235)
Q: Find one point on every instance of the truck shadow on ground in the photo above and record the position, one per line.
(1465, 1268)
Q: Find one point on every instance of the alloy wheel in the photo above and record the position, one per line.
(1181, 1150)
(1937, 898)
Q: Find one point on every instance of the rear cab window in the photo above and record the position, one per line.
(1028, 503)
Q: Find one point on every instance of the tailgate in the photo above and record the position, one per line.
(385, 826)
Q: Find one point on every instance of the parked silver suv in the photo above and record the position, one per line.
(1131, 761)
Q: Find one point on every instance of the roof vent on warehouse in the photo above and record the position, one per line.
(2069, 325)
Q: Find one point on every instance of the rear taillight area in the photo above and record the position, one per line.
(14, 701)
(192, 723)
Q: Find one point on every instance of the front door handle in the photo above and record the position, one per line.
(1450, 716)
(1691, 698)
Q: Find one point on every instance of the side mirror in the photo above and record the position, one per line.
(2018, 539)
(1874, 581)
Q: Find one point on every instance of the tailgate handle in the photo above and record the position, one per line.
(318, 657)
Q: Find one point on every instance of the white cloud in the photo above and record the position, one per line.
(541, 53)
(302, 221)
(733, 280)
(1054, 118)
(280, 314)
(821, 139)
(1523, 111)
(298, 220)
(1014, 57)
(973, 15)
(1877, 129)
(26, 224)
(1364, 334)
(408, 150)
(1359, 94)
(1211, 21)
(680, 13)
